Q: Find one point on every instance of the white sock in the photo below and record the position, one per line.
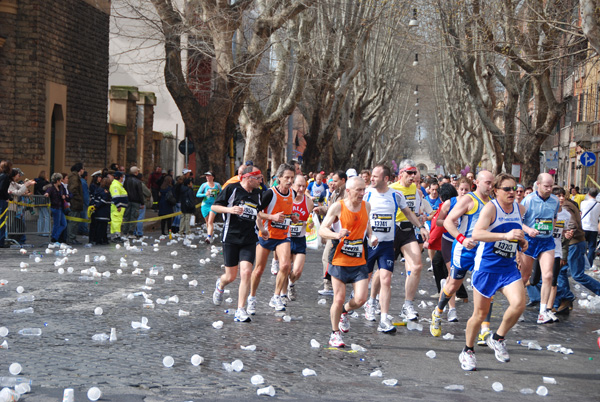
(251, 297)
(408, 302)
(383, 316)
(372, 301)
(542, 308)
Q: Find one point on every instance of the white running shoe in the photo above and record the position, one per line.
(274, 266)
(292, 293)
(499, 348)
(377, 307)
(276, 303)
(369, 312)
(409, 312)
(251, 309)
(285, 299)
(552, 316)
(241, 316)
(467, 360)
(218, 294)
(452, 316)
(385, 326)
(544, 318)
(336, 341)
(344, 323)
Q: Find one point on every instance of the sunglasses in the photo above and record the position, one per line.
(507, 189)
(411, 173)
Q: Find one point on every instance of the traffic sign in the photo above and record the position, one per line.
(587, 159)
(190, 146)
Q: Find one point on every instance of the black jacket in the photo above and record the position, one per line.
(4, 184)
(133, 186)
(187, 200)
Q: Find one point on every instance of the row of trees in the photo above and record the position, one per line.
(344, 65)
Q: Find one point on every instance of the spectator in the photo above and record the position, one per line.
(166, 202)
(76, 207)
(41, 185)
(57, 194)
(188, 204)
(117, 209)
(5, 169)
(83, 226)
(94, 186)
(590, 217)
(103, 205)
(154, 185)
(135, 195)
(139, 231)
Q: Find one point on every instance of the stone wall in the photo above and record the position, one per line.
(54, 42)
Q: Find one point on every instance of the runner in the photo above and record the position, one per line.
(240, 204)
(466, 211)
(317, 190)
(278, 203)
(385, 203)
(405, 241)
(208, 191)
(303, 206)
(538, 224)
(499, 231)
(349, 264)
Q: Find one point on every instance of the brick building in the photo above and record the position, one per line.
(54, 83)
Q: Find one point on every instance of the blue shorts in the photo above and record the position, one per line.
(298, 245)
(537, 245)
(463, 261)
(205, 209)
(272, 244)
(349, 274)
(383, 254)
(488, 283)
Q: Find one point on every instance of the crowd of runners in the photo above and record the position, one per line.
(513, 240)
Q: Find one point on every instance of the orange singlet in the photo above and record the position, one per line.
(280, 203)
(350, 251)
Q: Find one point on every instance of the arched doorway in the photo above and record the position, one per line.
(57, 139)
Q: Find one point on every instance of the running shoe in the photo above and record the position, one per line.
(327, 288)
(274, 266)
(292, 292)
(544, 318)
(430, 269)
(336, 341)
(452, 316)
(207, 240)
(377, 307)
(385, 325)
(369, 311)
(482, 337)
(285, 299)
(276, 303)
(251, 309)
(436, 324)
(409, 312)
(552, 315)
(499, 347)
(241, 316)
(467, 360)
(344, 323)
(218, 294)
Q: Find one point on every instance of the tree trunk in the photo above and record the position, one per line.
(257, 144)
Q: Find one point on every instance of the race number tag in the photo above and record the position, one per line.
(282, 225)
(352, 248)
(506, 249)
(296, 229)
(544, 226)
(382, 223)
(411, 200)
(558, 229)
(250, 211)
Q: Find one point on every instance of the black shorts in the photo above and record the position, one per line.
(349, 274)
(447, 250)
(298, 245)
(405, 234)
(234, 253)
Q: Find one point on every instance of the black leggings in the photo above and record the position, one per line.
(536, 273)
(165, 223)
(440, 271)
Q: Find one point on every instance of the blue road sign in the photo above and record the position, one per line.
(587, 159)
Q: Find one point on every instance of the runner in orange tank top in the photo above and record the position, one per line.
(349, 262)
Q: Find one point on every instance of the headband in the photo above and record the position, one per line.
(255, 173)
(408, 169)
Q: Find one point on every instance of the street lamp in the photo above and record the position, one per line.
(416, 62)
(413, 21)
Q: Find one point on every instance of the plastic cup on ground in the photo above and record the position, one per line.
(3, 331)
(69, 395)
(542, 391)
(237, 365)
(168, 361)
(197, 360)
(98, 311)
(257, 379)
(15, 369)
(269, 391)
(94, 394)
(20, 289)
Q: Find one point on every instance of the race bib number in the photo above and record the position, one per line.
(411, 201)
(558, 229)
(544, 226)
(505, 248)
(211, 193)
(282, 225)
(250, 211)
(352, 248)
(382, 223)
(296, 229)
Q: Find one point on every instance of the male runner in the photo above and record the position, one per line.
(240, 204)
(302, 208)
(499, 229)
(277, 205)
(538, 224)
(317, 189)
(466, 211)
(349, 264)
(405, 240)
(385, 203)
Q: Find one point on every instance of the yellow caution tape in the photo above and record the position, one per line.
(23, 204)
(158, 218)
(588, 178)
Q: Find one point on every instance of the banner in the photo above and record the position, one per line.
(313, 240)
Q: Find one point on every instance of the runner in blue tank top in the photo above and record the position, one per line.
(499, 229)
(538, 224)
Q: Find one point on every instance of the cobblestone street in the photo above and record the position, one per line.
(131, 368)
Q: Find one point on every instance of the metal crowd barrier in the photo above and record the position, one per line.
(23, 215)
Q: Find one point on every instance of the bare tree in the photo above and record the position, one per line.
(590, 22)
